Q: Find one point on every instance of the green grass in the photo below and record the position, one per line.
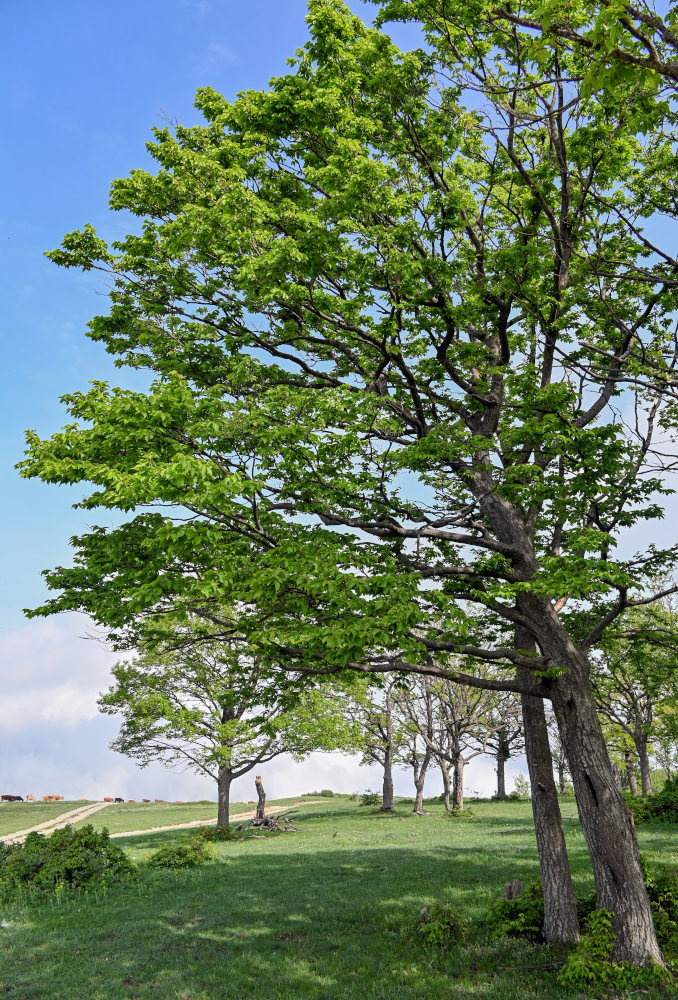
(20, 815)
(323, 913)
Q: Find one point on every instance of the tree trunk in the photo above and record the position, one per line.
(501, 766)
(444, 770)
(387, 790)
(606, 822)
(631, 772)
(645, 773)
(458, 784)
(261, 795)
(561, 774)
(224, 794)
(561, 923)
(419, 780)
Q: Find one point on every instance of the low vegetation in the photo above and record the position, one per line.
(359, 905)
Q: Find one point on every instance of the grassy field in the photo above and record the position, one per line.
(323, 913)
(20, 815)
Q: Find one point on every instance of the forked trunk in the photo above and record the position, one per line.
(419, 779)
(444, 770)
(606, 822)
(458, 784)
(387, 789)
(631, 772)
(561, 923)
(224, 795)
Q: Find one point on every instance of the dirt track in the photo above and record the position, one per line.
(63, 819)
(75, 815)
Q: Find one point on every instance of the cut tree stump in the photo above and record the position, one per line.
(261, 804)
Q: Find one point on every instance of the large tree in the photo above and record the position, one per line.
(209, 708)
(394, 305)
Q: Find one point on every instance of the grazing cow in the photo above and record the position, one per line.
(118, 799)
(108, 798)
(159, 800)
(145, 800)
(131, 800)
(11, 798)
(30, 798)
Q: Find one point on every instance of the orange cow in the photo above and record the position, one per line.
(30, 798)
(108, 798)
(159, 800)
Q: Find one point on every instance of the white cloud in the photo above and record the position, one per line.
(214, 58)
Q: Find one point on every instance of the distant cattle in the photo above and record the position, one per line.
(52, 798)
(159, 800)
(108, 798)
(131, 800)
(145, 800)
(180, 802)
(11, 798)
(118, 799)
(30, 798)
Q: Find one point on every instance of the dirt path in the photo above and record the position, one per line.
(202, 822)
(50, 825)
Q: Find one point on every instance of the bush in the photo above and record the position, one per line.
(589, 965)
(440, 926)
(188, 853)
(67, 859)
(210, 834)
(370, 798)
(522, 916)
(326, 792)
(659, 808)
(662, 888)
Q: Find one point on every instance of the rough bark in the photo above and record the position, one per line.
(224, 780)
(631, 772)
(501, 767)
(419, 779)
(561, 923)
(606, 822)
(645, 771)
(387, 788)
(444, 770)
(261, 797)
(458, 784)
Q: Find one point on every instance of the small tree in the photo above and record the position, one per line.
(210, 709)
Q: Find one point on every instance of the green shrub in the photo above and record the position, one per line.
(589, 966)
(659, 808)
(189, 853)
(214, 833)
(67, 859)
(440, 926)
(326, 792)
(370, 798)
(522, 916)
(662, 888)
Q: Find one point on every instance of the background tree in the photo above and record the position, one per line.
(391, 304)
(636, 685)
(210, 708)
(373, 714)
(504, 735)
(415, 706)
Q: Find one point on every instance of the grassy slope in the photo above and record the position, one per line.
(20, 815)
(318, 914)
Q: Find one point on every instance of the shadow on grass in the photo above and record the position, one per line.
(314, 924)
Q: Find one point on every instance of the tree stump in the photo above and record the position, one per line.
(261, 804)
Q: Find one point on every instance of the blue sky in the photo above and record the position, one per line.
(81, 86)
